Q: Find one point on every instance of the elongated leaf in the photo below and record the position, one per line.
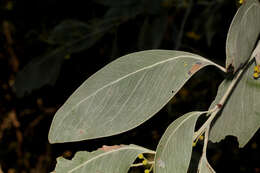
(242, 34)
(124, 94)
(204, 166)
(117, 159)
(240, 116)
(173, 152)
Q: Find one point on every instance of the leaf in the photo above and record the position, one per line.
(242, 34)
(117, 159)
(45, 69)
(152, 32)
(240, 116)
(76, 36)
(39, 72)
(124, 13)
(68, 31)
(124, 94)
(204, 166)
(173, 152)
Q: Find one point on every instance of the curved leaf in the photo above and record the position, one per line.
(124, 94)
(173, 152)
(240, 116)
(116, 159)
(242, 34)
(204, 166)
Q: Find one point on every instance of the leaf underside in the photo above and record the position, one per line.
(243, 33)
(124, 94)
(174, 150)
(115, 160)
(240, 116)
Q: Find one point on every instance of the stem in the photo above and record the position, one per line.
(206, 139)
(141, 164)
(221, 102)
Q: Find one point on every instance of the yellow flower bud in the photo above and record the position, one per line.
(256, 69)
(146, 171)
(255, 75)
(145, 162)
(141, 156)
(201, 138)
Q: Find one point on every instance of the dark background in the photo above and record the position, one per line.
(48, 48)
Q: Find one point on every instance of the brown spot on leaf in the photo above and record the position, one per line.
(195, 68)
(81, 131)
(108, 148)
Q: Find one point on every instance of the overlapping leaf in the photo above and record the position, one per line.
(240, 116)
(124, 94)
(105, 160)
(243, 34)
(173, 152)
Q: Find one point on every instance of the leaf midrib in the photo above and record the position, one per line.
(108, 152)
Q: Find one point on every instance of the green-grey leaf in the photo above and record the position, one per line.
(173, 152)
(100, 161)
(240, 116)
(243, 33)
(204, 166)
(124, 94)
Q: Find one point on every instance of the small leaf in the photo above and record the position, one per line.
(116, 159)
(240, 116)
(124, 94)
(173, 152)
(242, 34)
(204, 166)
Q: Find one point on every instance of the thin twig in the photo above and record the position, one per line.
(206, 139)
(141, 164)
(221, 102)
